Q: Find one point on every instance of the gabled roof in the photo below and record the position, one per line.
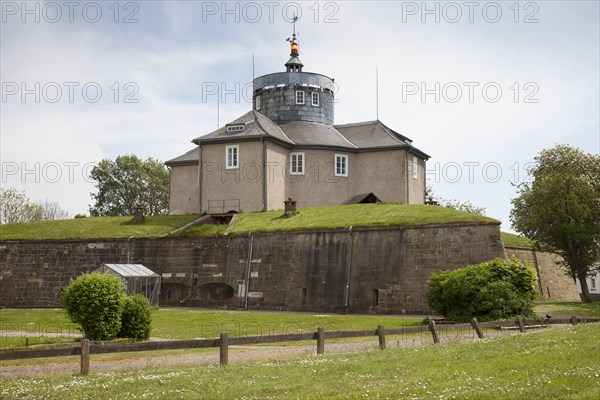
(362, 198)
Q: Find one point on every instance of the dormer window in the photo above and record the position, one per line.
(299, 96)
(235, 128)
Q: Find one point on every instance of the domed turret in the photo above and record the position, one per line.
(295, 95)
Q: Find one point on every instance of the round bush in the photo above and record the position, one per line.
(494, 290)
(95, 302)
(136, 321)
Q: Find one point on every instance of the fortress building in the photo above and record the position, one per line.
(289, 147)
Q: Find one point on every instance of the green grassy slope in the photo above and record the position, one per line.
(357, 215)
(510, 239)
(94, 228)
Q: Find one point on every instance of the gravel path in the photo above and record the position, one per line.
(237, 354)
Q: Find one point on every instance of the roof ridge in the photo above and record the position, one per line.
(265, 131)
(357, 123)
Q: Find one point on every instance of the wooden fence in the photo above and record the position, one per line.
(85, 348)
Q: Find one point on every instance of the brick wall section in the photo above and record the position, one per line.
(553, 283)
(387, 268)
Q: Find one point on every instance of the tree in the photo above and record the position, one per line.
(15, 207)
(128, 182)
(95, 302)
(466, 206)
(494, 290)
(454, 204)
(560, 209)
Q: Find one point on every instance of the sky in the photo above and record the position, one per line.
(481, 87)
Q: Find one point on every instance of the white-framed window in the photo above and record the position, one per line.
(315, 99)
(232, 157)
(593, 283)
(257, 103)
(341, 165)
(415, 167)
(235, 128)
(297, 164)
(299, 96)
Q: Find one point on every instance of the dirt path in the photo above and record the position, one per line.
(237, 355)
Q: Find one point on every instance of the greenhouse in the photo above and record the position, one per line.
(137, 279)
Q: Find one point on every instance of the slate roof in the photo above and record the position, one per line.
(256, 125)
(191, 157)
(372, 134)
(365, 136)
(307, 134)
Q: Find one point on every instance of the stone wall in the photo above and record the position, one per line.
(553, 283)
(378, 270)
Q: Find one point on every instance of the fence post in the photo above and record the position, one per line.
(223, 349)
(520, 323)
(85, 356)
(475, 326)
(320, 340)
(381, 334)
(436, 339)
(574, 320)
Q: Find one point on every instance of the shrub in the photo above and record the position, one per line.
(494, 290)
(135, 321)
(95, 302)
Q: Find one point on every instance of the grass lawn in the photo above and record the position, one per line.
(589, 310)
(511, 239)
(553, 364)
(351, 215)
(192, 323)
(95, 228)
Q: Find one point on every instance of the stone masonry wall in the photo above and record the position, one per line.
(376, 270)
(553, 283)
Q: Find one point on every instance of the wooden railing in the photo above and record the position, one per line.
(85, 348)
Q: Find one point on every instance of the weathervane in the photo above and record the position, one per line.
(293, 40)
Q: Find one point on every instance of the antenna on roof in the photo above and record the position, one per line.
(252, 66)
(218, 101)
(377, 93)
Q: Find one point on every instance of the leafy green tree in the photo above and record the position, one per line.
(95, 302)
(136, 321)
(128, 182)
(560, 209)
(15, 207)
(466, 206)
(454, 204)
(494, 290)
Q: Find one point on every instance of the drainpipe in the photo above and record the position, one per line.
(264, 177)
(169, 189)
(348, 271)
(248, 265)
(408, 163)
(199, 179)
(129, 249)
